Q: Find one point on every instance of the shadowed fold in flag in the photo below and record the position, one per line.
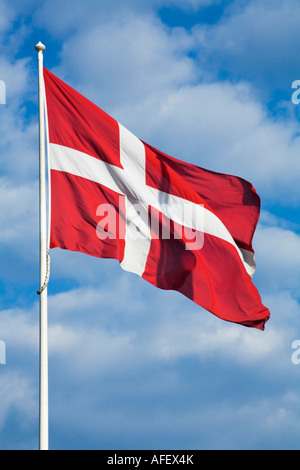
(178, 226)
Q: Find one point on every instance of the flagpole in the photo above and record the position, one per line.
(43, 405)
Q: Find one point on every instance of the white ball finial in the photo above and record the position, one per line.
(40, 47)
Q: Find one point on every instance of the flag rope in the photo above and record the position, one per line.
(47, 276)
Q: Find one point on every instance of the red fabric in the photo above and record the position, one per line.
(213, 276)
(74, 220)
(232, 199)
(76, 122)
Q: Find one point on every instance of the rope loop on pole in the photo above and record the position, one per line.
(46, 277)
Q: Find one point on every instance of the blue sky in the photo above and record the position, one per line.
(130, 366)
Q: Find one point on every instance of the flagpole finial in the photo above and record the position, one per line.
(40, 47)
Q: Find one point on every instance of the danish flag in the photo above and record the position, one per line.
(178, 226)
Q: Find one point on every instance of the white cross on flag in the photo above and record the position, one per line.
(178, 226)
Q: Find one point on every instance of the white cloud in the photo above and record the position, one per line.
(198, 335)
(278, 252)
(97, 330)
(19, 233)
(19, 135)
(127, 60)
(17, 78)
(254, 39)
(266, 418)
(6, 16)
(75, 15)
(18, 394)
(18, 213)
(19, 331)
(270, 220)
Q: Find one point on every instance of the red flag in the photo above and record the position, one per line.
(177, 225)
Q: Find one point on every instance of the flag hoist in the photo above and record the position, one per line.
(44, 263)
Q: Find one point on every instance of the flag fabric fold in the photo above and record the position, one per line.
(176, 225)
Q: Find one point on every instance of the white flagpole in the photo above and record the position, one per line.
(43, 430)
